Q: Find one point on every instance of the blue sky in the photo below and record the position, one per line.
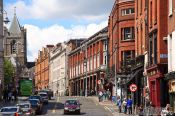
(53, 21)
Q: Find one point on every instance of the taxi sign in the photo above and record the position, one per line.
(133, 87)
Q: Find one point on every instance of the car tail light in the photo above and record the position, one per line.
(16, 114)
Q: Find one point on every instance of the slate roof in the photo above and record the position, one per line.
(15, 29)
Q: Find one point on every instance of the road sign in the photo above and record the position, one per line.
(133, 87)
(99, 82)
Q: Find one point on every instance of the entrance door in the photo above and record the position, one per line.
(153, 92)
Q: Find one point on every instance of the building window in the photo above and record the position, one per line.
(127, 11)
(155, 20)
(127, 33)
(140, 7)
(128, 55)
(151, 14)
(170, 7)
(13, 47)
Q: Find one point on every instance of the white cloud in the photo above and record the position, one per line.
(56, 9)
(39, 37)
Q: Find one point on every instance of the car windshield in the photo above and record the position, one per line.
(33, 102)
(71, 102)
(9, 109)
(34, 97)
(43, 95)
(24, 105)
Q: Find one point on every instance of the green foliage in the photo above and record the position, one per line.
(8, 72)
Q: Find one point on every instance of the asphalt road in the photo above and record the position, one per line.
(88, 107)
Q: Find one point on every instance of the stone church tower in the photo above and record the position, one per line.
(15, 43)
(15, 49)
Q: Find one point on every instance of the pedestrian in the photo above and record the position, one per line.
(108, 94)
(141, 110)
(124, 105)
(100, 96)
(105, 95)
(119, 104)
(129, 105)
(10, 96)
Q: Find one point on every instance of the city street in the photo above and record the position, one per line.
(88, 107)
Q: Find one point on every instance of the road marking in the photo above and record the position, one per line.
(105, 107)
(54, 110)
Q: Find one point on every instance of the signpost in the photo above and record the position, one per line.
(133, 88)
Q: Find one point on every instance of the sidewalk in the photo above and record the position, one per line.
(108, 105)
(3, 104)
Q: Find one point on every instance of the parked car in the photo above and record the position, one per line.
(72, 106)
(11, 111)
(27, 108)
(36, 97)
(36, 105)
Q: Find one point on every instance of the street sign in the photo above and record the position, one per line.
(133, 87)
(99, 82)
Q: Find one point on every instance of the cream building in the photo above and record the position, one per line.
(58, 69)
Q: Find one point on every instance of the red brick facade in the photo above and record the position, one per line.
(42, 68)
(121, 21)
(157, 66)
(94, 61)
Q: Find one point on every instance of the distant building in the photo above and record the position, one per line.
(57, 66)
(58, 78)
(89, 61)
(42, 68)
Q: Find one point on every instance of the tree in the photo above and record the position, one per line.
(8, 72)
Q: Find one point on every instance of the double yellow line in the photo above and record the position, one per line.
(54, 110)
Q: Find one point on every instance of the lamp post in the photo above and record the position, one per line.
(2, 20)
(84, 49)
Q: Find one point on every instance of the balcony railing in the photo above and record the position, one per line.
(128, 66)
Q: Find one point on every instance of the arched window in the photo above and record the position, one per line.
(13, 46)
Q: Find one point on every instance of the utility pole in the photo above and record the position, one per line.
(1, 49)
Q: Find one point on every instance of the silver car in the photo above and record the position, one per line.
(11, 111)
(26, 108)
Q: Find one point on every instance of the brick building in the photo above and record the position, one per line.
(170, 77)
(157, 53)
(122, 43)
(141, 46)
(89, 61)
(42, 68)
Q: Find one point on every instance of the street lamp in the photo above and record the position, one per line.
(85, 65)
(2, 20)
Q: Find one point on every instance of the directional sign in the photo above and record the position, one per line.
(133, 87)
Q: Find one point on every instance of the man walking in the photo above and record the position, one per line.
(129, 105)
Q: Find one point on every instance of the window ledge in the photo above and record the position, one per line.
(128, 40)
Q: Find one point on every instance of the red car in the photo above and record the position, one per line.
(72, 106)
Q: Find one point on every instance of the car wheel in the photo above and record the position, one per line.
(65, 112)
(78, 112)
